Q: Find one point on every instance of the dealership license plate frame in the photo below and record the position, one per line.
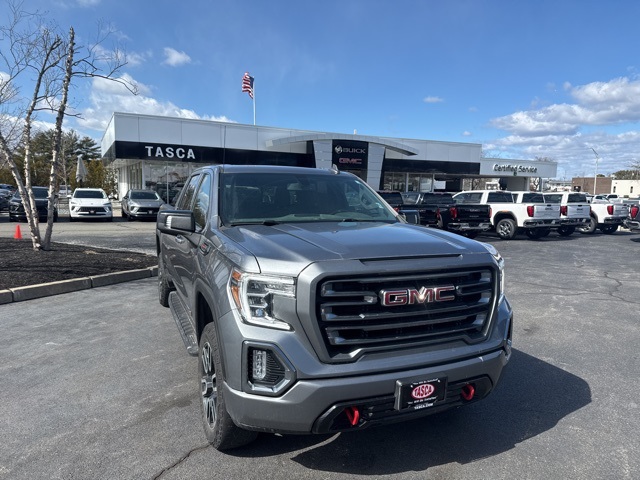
(405, 401)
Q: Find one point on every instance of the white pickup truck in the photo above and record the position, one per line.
(574, 210)
(510, 217)
(606, 217)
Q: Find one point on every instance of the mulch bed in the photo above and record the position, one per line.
(21, 265)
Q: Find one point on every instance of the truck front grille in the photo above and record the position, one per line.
(357, 315)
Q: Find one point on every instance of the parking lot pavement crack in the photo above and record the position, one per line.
(179, 461)
(542, 290)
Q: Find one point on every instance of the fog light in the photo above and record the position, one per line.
(266, 370)
(259, 370)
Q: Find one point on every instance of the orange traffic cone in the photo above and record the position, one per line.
(18, 234)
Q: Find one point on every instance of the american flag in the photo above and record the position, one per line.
(247, 84)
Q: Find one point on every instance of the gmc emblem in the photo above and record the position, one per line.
(411, 296)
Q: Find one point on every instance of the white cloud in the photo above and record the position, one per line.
(604, 116)
(135, 59)
(174, 58)
(109, 96)
(467, 134)
(433, 100)
(598, 103)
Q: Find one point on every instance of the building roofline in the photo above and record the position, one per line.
(396, 146)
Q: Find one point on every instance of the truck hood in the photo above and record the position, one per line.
(289, 248)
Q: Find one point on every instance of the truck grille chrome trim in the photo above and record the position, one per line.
(350, 321)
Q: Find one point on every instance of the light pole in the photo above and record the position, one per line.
(595, 177)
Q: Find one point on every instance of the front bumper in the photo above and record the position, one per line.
(90, 212)
(142, 212)
(315, 405)
(318, 395)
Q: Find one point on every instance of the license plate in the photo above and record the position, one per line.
(416, 394)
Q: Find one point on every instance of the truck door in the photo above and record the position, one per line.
(183, 250)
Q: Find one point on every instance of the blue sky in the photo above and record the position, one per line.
(525, 79)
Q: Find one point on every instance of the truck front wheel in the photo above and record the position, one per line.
(164, 289)
(506, 229)
(219, 428)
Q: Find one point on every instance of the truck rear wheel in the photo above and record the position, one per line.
(566, 231)
(219, 428)
(590, 227)
(609, 229)
(535, 233)
(506, 229)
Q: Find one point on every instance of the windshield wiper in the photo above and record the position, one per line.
(268, 223)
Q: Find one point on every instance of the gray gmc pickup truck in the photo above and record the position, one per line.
(313, 307)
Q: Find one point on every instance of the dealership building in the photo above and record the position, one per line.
(159, 153)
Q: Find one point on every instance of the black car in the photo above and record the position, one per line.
(16, 209)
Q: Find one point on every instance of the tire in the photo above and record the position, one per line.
(566, 231)
(71, 219)
(506, 229)
(122, 214)
(219, 428)
(164, 289)
(609, 229)
(590, 228)
(534, 233)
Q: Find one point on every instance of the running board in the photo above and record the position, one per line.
(184, 325)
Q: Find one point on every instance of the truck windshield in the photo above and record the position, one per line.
(279, 197)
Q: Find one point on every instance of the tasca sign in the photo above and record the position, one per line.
(350, 155)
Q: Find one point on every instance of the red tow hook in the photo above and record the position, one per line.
(353, 414)
(468, 392)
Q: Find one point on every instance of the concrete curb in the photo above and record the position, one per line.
(20, 294)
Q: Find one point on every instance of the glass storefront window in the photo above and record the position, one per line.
(166, 178)
(408, 182)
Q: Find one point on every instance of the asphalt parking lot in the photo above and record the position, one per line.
(97, 384)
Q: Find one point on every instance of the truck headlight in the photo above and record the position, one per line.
(500, 261)
(256, 296)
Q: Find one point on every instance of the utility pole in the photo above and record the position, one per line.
(595, 177)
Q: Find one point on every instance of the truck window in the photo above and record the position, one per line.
(532, 198)
(186, 197)
(499, 197)
(550, 198)
(468, 197)
(201, 205)
(577, 198)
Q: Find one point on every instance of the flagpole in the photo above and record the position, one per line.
(254, 102)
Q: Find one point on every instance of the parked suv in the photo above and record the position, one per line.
(138, 204)
(41, 194)
(90, 203)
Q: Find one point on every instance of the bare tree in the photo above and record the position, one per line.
(36, 51)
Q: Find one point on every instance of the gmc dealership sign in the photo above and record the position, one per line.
(350, 155)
